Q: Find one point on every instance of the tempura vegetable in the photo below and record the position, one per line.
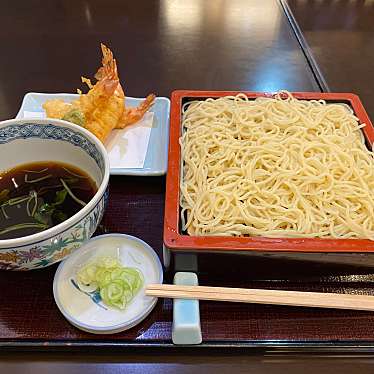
(57, 108)
(76, 116)
(102, 108)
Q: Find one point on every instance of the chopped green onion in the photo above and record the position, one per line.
(71, 193)
(116, 284)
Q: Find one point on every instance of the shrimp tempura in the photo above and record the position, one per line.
(102, 109)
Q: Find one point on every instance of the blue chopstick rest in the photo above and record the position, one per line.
(186, 313)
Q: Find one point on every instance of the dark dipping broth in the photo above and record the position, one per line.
(40, 195)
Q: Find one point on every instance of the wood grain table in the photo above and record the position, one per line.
(340, 35)
(160, 46)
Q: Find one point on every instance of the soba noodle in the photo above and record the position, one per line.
(275, 167)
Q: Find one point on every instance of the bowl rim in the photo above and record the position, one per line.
(67, 224)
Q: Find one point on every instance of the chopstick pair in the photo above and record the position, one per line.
(257, 296)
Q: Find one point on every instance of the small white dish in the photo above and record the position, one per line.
(156, 149)
(95, 317)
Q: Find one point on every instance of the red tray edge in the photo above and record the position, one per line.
(175, 241)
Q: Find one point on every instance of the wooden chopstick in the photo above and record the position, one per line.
(256, 296)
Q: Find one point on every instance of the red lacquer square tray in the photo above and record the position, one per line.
(175, 240)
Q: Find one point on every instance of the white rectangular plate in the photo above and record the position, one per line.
(155, 162)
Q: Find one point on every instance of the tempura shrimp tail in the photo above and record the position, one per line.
(103, 105)
(108, 73)
(132, 115)
(102, 108)
(109, 65)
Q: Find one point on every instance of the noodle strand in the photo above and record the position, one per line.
(275, 167)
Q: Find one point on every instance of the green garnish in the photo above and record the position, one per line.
(16, 200)
(117, 284)
(75, 116)
(59, 216)
(71, 193)
(40, 211)
(44, 213)
(71, 180)
(47, 188)
(4, 212)
(37, 179)
(33, 196)
(47, 210)
(23, 226)
(60, 197)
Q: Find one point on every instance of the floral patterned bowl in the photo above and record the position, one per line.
(32, 140)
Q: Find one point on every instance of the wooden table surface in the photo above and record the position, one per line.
(160, 46)
(340, 35)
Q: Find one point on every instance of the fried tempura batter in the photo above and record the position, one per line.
(102, 108)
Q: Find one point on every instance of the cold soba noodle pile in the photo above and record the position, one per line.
(275, 167)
